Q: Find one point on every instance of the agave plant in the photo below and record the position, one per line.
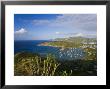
(36, 66)
(65, 73)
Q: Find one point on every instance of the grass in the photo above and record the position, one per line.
(30, 64)
(62, 44)
(33, 64)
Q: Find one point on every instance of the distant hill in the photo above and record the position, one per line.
(76, 39)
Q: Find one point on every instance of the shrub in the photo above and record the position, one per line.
(36, 66)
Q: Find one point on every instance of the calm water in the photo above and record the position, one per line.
(32, 46)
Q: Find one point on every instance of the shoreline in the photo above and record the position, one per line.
(47, 44)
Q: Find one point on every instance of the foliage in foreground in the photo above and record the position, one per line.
(36, 66)
(28, 64)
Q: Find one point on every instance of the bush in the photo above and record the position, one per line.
(36, 66)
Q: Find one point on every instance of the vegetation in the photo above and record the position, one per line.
(29, 64)
(33, 64)
(62, 44)
(72, 42)
(91, 54)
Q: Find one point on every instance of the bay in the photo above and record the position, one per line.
(33, 47)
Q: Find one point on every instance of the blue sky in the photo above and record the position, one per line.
(51, 26)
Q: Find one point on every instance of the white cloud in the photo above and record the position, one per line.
(71, 21)
(40, 22)
(21, 31)
(79, 34)
(57, 32)
(83, 35)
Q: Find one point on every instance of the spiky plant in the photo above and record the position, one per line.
(36, 66)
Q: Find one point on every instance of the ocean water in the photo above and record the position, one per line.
(32, 46)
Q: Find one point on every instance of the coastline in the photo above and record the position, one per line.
(48, 44)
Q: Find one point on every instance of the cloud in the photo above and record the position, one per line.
(21, 31)
(40, 22)
(71, 21)
(79, 34)
(83, 35)
(57, 32)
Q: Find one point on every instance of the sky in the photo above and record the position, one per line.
(52, 26)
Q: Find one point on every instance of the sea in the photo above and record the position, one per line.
(33, 47)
